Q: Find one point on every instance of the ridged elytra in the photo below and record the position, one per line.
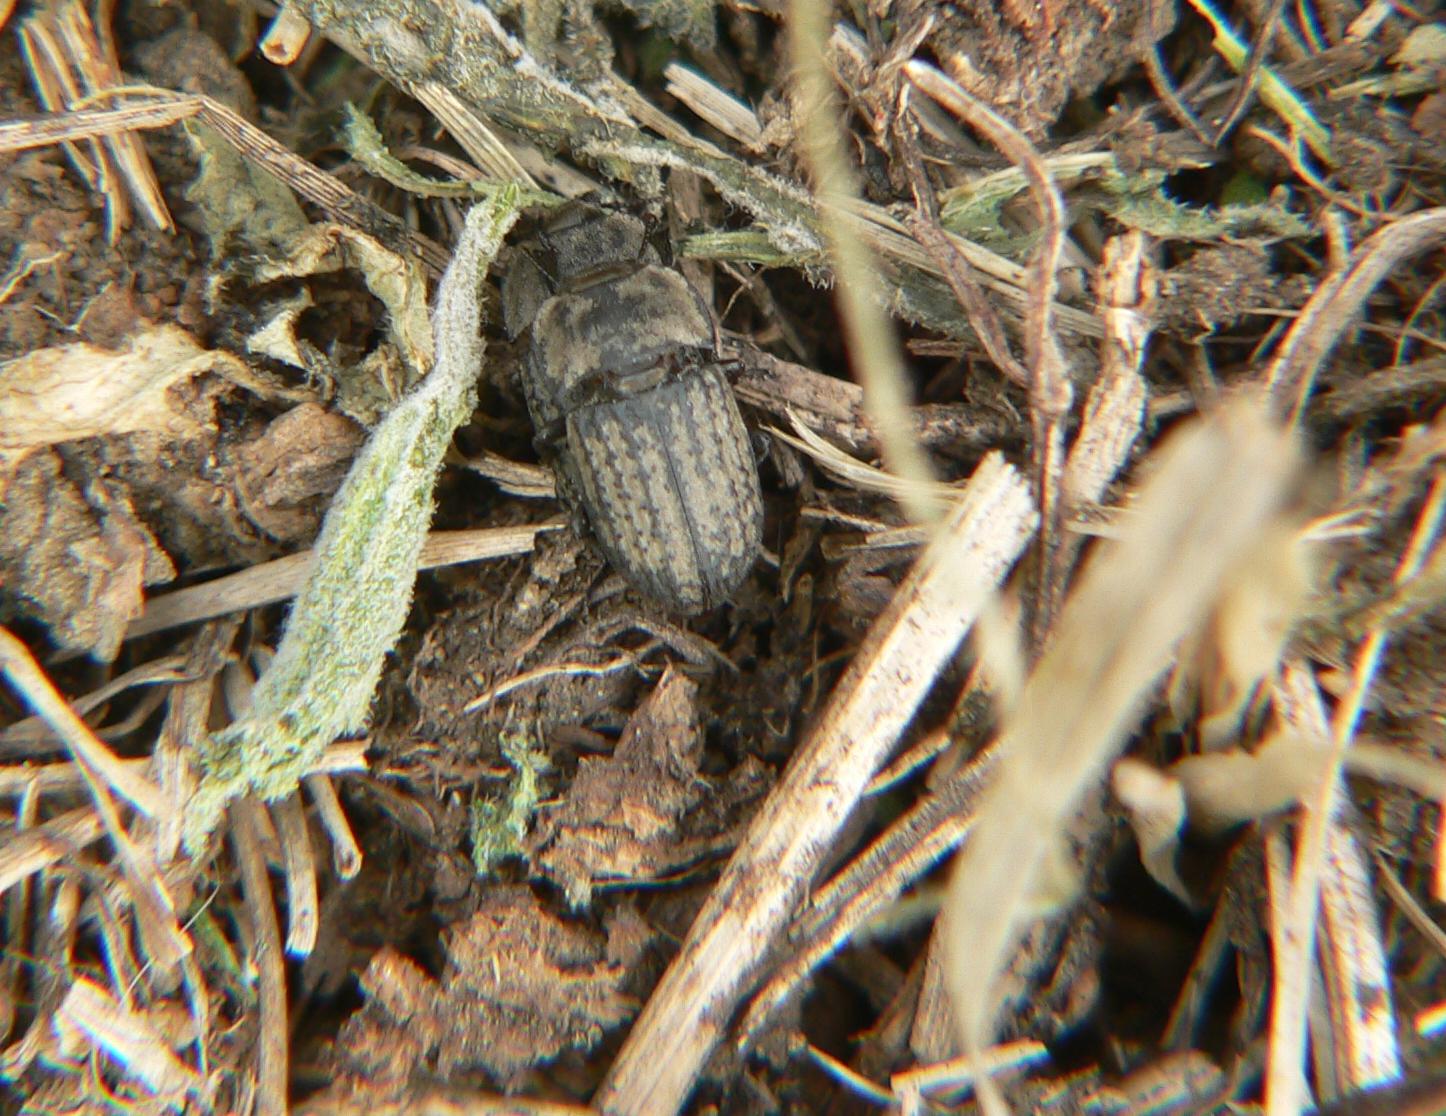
(630, 403)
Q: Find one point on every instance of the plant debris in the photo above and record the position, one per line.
(1071, 738)
(520, 986)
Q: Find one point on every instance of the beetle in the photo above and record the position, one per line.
(630, 402)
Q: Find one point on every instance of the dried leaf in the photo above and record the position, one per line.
(70, 392)
(1214, 490)
(635, 815)
(520, 986)
(1156, 804)
(78, 561)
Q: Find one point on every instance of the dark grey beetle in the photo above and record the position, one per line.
(630, 403)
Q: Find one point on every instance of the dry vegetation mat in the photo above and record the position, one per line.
(745, 557)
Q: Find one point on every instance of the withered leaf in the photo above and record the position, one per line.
(520, 987)
(633, 816)
(78, 560)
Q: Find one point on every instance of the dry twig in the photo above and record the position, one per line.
(872, 703)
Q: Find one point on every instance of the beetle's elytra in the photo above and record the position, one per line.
(628, 396)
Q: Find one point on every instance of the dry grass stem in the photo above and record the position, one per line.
(90, 1018)
(346, 855)
(272, 1041)
(850, 1079)
(1406, 903)
(909, 491)
(551, 670)
(1334, 305)
(717, 106)
(188, 719)
(533, 482)
(1115, 408)
(101, 766)
(30, 734)
(1285, 1081)
(1190, 1004)
(914, 760)
(1211, 491)
(871, 705)
(302, 916)
(483, 146)
(282, 578)
(68, 65)
(835, 408)
(872, 341)
(958, 1074)
(64, 127)
(1050, 392)
(162, 108)
(57, 778)
(1365, 1052)
(286, 38)
(38, 849)
(1245, 89)
(869, 883)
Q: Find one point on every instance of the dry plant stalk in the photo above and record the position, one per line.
(162, 108)
(1285, 1081)
(303, 917)
(1333, 305)
(874, 701)
(1115, 408)
(869, 883)
(872, 340)
(102, 768)
(30, 734)
(36, 849)
(1050, 392)
(720, 108)
(89, 1017)
(1211, 492)
(68, 65)
(346, 855)
(61, 778)
(273, 1035)
(166, 944)
(286, 38)
(281, 578)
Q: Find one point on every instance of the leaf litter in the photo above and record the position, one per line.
(523, 836)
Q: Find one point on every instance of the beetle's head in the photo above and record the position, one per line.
(585, 240)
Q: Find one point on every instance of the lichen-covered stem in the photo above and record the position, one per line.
(348, 616)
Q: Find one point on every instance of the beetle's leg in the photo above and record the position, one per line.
(546, 440)
(731, 367)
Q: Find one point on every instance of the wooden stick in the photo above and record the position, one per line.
(872, 704)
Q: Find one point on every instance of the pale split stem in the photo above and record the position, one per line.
(748, 909)
(1285, 1081)
(273, 1036)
